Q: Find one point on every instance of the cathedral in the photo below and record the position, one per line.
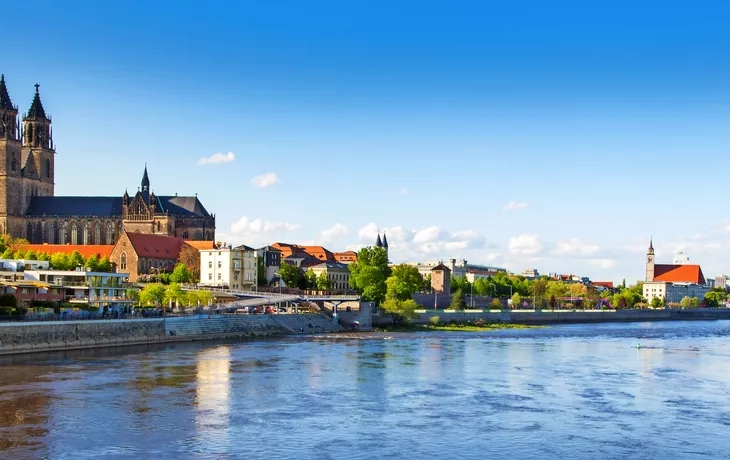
(29, 209)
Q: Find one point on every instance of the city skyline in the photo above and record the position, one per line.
(518, 136)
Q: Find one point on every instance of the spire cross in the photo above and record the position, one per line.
(36, 88)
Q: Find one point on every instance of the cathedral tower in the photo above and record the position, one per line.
(650, 261)
(38, 152)
(10, 163)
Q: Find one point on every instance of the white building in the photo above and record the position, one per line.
(681, 258)
(229, 268)
(673, 292)
(461, 268)
(12, 269)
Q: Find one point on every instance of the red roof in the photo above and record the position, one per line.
(347, 256)
(86, 250)
(155, 246)
(679, 273)
(606, 284)
(201, 245)
(294, 250)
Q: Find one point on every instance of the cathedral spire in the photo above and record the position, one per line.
(385, 241)
(36, 108)
(651, 246)
(379, 242)
(5, 102)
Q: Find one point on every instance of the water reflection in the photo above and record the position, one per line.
(212, 400)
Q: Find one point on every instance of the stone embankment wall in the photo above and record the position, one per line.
(565, 316)
(72, 335)
(68, 335)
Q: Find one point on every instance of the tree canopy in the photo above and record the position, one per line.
(369, 274)
(404, 281)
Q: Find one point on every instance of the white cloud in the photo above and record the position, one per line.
(525, 245)
(265, 180)
(514, 206)
(604, 264)
(427, 235)
(245, 225)
(404, 191)
(217, 158)
(574, 247)
(336, 231)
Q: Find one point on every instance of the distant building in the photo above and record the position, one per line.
(441, 279)
(143, 254)
(602, 286)
(229, 268)
(722, 281)
(530, 273)
(105, 291)
(681, 258)
(673, 282)
(271, 259)
(337, 273)
(382, 243)
(346, 257)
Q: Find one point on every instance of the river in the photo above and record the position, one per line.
(569, 391)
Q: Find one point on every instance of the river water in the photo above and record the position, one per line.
(573, 391)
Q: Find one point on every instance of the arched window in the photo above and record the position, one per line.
(123, 261)
(198, 235)
(51, 233)
(64, 234)
(74, 234)
(97, 233)
(86, 233)
(48, 169)
(158, 226)
(110, 233)
(185, 235)
(29, 233)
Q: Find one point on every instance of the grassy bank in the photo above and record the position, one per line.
(455, 327)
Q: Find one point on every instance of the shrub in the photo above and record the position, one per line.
(434, 320)
(495, 304)
(480, 322)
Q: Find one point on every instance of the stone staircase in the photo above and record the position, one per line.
(223, 325)
(307, 323)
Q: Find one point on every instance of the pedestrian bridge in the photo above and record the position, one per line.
(260, 299)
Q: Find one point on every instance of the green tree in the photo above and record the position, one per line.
(133, 294)
(323, 282)
(174, 294)
(516, 300)
(290, 274)
(404, 281)
(180, 274)
(657, 302)
(400, 310)
(92, 263)
(105, 265)
(152, 295)
(495, 304)
(77, 260)
(8, 254)
(538, 288)
(426, 283)
(261, 268)
(311, 278)
(369, 273)
(460, 283)
(60, 261)
(714, 298)
(457, 300)
(204, 297)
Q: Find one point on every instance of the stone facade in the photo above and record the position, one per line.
(142, 254)
(441, 279)
(29, 208)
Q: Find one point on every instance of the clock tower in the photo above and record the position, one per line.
(650, 262)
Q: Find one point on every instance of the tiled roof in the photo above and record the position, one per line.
(440, 267)
(347, 256)
(243, 247)
(182, 206)
(86, 250)
(606, 284)
(684, 273)
(5, 102)
(317, 252)
(155, 246)
(99, 206)
(201, 245)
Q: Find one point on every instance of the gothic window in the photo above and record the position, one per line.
(209, 236)
(29, 233)
(74, 234)
(185, 235)
(86, 233)
(51, 233)
(198, 235)
(38, 233)
(48, 169)
(30, 134)
(97, 233)
(110, 233)
(64, 235)
(123, 261)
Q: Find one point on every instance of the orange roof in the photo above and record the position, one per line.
(606, 284)
(201, 245)
(318, 252)
(679, 273)
(155, 246)
(86, 250)
(347, 256)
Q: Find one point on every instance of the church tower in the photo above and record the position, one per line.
(650, 262)
(38, 152)
(10, 161)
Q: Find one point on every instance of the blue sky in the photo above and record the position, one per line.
(556, 135)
